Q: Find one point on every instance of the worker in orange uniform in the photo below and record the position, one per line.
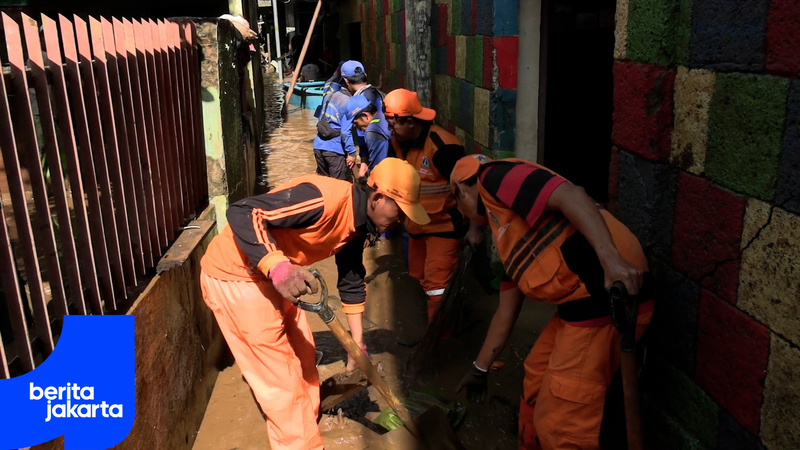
(253, 275)
(433, 247)
(557, 246)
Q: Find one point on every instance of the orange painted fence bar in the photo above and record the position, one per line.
(102, 162)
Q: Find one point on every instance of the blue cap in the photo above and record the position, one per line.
(351, 68)
(355, 105)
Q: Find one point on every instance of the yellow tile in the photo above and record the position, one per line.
(461, 57)
(769, 280)
(693, 91)
(481, 112)
(621, 30)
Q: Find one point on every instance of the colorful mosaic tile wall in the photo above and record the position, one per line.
(474, 61)
(383, 41)
(706, 171)
(475, 72)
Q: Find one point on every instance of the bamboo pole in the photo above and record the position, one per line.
(299, 64)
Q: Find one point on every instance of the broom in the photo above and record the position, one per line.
(447, 318)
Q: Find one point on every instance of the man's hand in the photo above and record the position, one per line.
(617, 269)
(362, 170)
(475, 383)
(292, 281)
(351, 160)
(475, 235)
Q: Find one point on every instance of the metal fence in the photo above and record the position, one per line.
(102, 163)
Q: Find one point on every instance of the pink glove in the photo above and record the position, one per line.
(292, 281)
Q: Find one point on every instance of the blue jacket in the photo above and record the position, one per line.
(377, 139)
(335, 114)
(373, 96)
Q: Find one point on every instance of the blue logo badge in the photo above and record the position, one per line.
(85, 390)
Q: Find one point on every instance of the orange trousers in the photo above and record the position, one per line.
(433, 260)
(566, 376)
(274, 348)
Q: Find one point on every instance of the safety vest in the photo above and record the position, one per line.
(434, 193)
(302, 246)
(534, 257)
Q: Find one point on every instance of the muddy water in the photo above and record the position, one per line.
(396, 306)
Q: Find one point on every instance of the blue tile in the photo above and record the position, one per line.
(441, 60)
(506, 18)
(466, 17)
(646, 202)
(787, 191)
(729, 35)
(485, 17)
(466, 117)
(503, 118)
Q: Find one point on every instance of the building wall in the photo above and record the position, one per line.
(705, 171)
(470, 40)
(383, 37)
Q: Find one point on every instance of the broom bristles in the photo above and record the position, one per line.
(448, 316)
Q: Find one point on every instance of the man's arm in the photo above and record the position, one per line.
(378, 148)
(252, 219)
(352, 288)
(347, 136)
(583, 214)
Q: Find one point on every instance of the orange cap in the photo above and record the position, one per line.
(398, 180)
(466, 168)
(404, 103)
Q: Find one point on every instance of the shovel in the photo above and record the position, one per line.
(624, 312)
(344, 338)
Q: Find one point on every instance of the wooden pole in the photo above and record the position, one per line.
(299, 64)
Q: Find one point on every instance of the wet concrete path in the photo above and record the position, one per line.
(395, 304)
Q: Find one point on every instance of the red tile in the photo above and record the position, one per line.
(506, 54)
(643, 109)
(732, 356)
(451, 128)
(441, 25)
(488, 62)
(477, 149)
(474, 25)
(707, 235)
(783, 37)
(403, 23)
(451, 56)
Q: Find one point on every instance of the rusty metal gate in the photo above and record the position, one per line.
(102, 163)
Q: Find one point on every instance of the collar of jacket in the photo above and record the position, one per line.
(419, 142)
(362, 223)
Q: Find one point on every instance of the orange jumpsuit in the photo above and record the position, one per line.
(572, 363)
(433, 248)
(304, 221)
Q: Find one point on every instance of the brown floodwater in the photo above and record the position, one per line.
(396, 306)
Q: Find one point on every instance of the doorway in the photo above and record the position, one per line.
(578, 42)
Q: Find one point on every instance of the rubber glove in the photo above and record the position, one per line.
(292, 281)
(475, 383)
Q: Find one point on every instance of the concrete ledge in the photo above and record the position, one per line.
(178, 347)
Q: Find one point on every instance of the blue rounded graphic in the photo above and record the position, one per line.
(85, 390)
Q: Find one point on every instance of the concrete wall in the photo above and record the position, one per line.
(705, 171)
(231, 153)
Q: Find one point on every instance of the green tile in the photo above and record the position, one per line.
(659, 31)
(474, 63)
(745, 132)
(454, 11)
(687, 402)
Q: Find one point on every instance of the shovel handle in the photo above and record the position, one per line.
(358, 355)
